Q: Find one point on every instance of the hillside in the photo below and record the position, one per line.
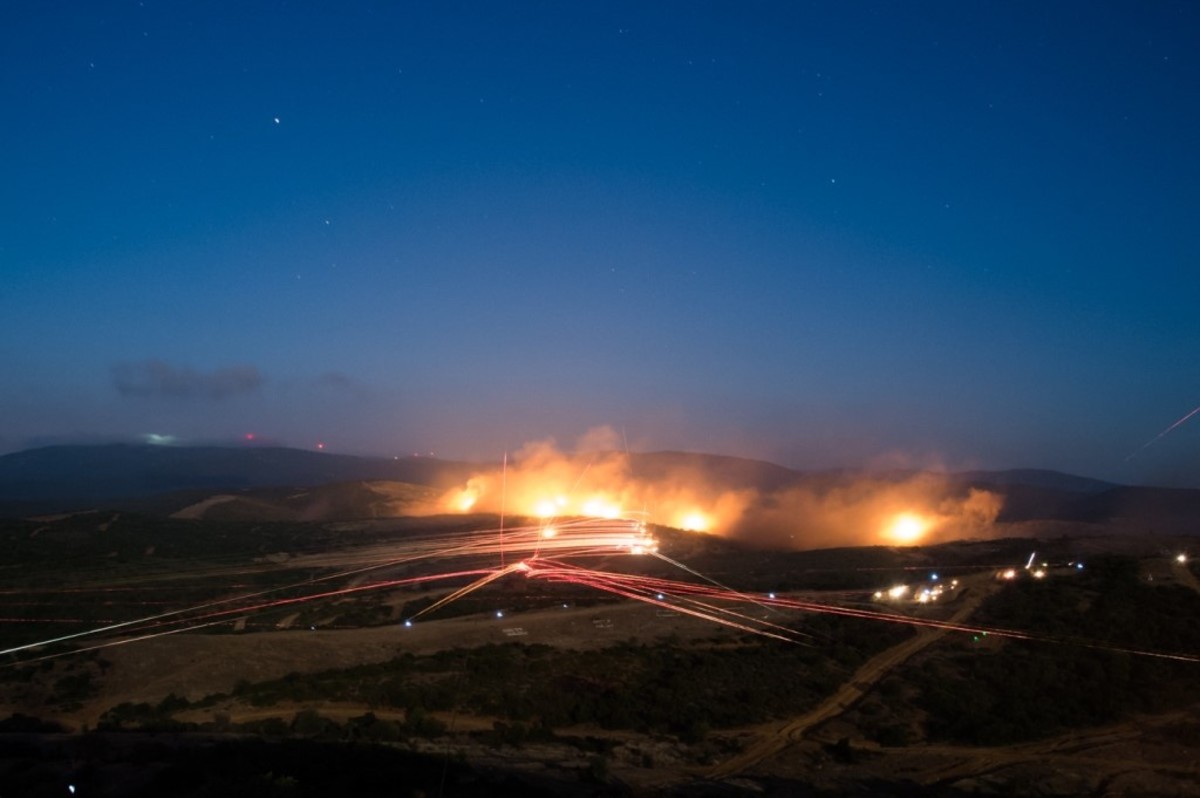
(95, 473)
(275, 483)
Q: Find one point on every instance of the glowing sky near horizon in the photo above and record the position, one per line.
(820, 234)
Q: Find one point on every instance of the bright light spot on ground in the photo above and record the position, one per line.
(549, 532)
(1038, 573)
(408, 623)
(1009, 573)
(499, 613)
(897, 591)
(545, 508)
(771, 595)
(1181, 558)
(907, 528)
(694, 522)
(660, 596)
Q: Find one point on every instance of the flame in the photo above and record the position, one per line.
(907, 528)
(543, 482)
(464, 500)
(600, 507)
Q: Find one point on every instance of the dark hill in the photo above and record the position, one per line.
(1035, 478)
(1160, 510)
(94, 473)
(734, 473)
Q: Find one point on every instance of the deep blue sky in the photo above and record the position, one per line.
(823, 234)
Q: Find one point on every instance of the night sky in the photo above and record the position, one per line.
(926, 234)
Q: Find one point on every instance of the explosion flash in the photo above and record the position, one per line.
(542, 482)
(907, 528)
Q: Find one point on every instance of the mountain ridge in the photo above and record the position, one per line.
(121, 470)
(165, 480)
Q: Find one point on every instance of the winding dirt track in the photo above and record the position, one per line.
(975, 590)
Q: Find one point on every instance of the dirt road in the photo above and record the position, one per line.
(975, 590)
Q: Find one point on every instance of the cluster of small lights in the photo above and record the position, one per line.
(1035, 570)
(921, 595)
(929, 594)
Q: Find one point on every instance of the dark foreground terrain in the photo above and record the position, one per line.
(1082, 680)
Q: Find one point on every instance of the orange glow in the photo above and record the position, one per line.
(541, 482)
(599, 481)
(907, 528)
(464, 500)
(601, 508)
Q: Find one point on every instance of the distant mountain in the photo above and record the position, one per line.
(339, 501)
(96, 473)
(291, 484)
(1162, 510)
(1035, 478)
(127, 470)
